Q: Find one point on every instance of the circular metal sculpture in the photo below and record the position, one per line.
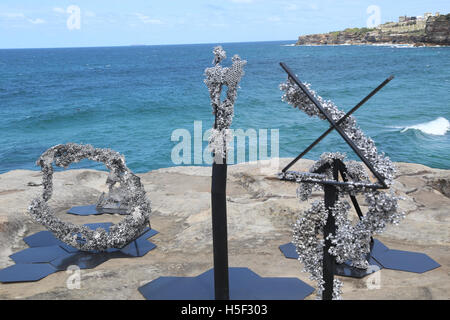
(82, 237)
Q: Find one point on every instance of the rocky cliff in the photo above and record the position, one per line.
(261, 211)
(436, 31)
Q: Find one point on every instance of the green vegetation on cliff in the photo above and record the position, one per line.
(433, 31)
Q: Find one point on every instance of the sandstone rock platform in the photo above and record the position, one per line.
(261, 211)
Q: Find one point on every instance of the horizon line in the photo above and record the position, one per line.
(146, 45)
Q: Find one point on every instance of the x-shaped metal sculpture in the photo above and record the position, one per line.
(335, 125)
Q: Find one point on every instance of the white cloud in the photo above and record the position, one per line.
(13, 15)
(21, 16)
(219, 25)
(242, 1)
(59, 10)
(36, 21)
(291, 7)
(300, 5)
(90, 14)
(274, 19)
(147, 20)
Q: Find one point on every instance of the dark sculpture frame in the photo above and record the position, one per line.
(380, 255)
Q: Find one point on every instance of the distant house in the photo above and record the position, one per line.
(405, 19)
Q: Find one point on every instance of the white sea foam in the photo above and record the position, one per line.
(438, 127)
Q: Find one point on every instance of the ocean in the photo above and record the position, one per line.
(131, 99)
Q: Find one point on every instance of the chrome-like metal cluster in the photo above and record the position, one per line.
(113, 201)
(294, 96)
(216, 78)
(81, 237)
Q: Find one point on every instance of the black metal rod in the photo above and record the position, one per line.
(312, 145)
(333, 183)
(322, 168)
(344, 172)
(219, 226)
(331, 121)
(219, 230)
(331, 196)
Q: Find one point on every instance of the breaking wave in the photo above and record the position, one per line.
(438, 127)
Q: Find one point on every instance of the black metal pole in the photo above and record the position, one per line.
(219, 230)
(331, 196)
(344, 172)
(219, 225)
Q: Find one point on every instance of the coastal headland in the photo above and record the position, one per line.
(261, 211)
(430, 30)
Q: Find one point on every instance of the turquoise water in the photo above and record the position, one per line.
(131, 99)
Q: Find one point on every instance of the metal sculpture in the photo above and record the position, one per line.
(216, 78)
(222, 282)
(82, 237)
(325, 234)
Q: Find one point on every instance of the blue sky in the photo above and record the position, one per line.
(43, 23)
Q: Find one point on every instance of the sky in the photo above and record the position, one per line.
(87, 23)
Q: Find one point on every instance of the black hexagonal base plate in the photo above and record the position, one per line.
(289, 250)
(48, 254)
(26, 272)
(347, 270)
(93, 210)
(244, 285)
(38, 254)
(42, 239)
(405, 261)
(380, 257)
(344, 269)
(84, 260)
